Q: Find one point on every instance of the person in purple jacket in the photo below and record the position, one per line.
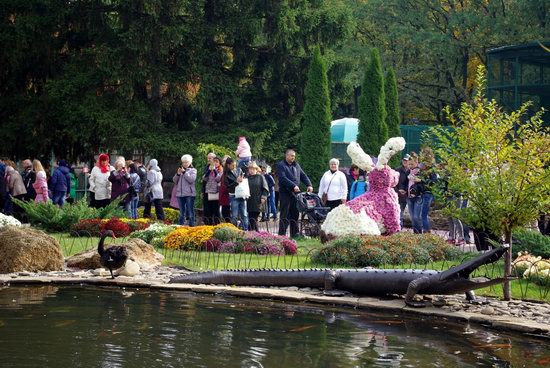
(60, 183)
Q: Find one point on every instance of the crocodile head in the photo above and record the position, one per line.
(457, 279)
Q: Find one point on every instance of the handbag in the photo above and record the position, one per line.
(324, 196)
(214, 196)
(417, 189)
(242, 191)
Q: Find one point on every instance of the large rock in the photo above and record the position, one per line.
(139, 251)
(27, 249)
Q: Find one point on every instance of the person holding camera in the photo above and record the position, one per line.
(212, 178)
(184, 180)
(232, 177)
(120, 181)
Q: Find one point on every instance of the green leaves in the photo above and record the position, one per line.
(498, 161)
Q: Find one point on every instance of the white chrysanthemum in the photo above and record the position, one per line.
(343, 221)
(392, 146)
(359, 157)
(8, 220)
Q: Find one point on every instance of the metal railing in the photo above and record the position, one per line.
(198, 260)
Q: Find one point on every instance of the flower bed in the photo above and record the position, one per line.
(154, 234)
(8, 221)
(120, 226)
(224, 238)
(170, 215)
(400, 248)
(257, 242)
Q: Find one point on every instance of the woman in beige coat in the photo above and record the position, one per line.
(16, 189)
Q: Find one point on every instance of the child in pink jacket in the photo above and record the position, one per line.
(244, 155)
(41, 188)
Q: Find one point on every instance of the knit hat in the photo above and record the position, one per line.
(62, 163)
(154, 164)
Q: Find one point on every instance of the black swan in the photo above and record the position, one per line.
(113, 257)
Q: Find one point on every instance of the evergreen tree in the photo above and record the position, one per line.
(392, 110)
(315, 145)
(373, 131)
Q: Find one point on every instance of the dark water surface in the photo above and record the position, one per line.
(73, 326)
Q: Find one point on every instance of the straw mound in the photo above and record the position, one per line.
(138, 251)
(27, 249)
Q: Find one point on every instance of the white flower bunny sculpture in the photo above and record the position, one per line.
(377, 211)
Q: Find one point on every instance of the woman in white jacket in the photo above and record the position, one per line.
(100, 186)
(153, 191)
(333, 186)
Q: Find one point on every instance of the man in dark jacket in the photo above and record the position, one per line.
(60, 183)
(29, 177)
(402, 186)
(290, 175)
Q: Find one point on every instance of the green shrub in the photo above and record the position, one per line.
(227, 234)
(531, 241)
(372, 256)
(52, 218)
(398, 249)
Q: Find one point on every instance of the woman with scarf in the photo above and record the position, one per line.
(153, 191)
(100, 186)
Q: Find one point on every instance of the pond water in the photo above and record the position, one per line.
(74, 326)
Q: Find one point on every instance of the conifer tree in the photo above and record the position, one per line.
(373, 131)
(392, 110)
(315, 145)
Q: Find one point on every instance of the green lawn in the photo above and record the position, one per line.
(200, 261)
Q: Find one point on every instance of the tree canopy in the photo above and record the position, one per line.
(157, 75)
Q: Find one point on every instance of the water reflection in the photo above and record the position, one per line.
(111, 327)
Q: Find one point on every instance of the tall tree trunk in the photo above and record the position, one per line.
(508, 265)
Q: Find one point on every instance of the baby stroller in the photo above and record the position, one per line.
(312, 213)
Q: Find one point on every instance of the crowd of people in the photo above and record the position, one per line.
(237, 190)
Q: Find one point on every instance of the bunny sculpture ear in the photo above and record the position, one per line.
(392, 146)
(359, 157)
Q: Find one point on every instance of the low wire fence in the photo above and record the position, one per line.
(529, 285)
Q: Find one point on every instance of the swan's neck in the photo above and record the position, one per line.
(100, 248)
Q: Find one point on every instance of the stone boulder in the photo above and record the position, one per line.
(139, 251)
(27, 249)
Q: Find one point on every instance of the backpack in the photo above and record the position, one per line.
(135, 186)
(142, 173)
